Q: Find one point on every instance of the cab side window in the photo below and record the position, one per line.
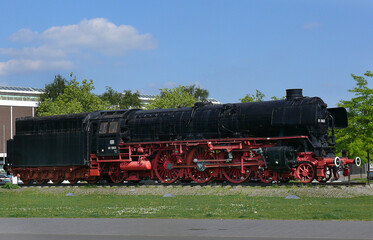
(113, 127)
(103, 128)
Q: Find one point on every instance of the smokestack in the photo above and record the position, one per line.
(293, 94)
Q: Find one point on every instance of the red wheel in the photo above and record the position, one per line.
(199, 173)
(164, 161)
(265, 176)
(74, 181)
(92, 180)
(306, 172)
(58, 180)
(26, 178)
(335, 173)
(116, 174)
(26, 181)
(41, 181)
(234, 174)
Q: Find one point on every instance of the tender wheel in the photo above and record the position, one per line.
(265, 176)
(306, 172)
(74, 181)
(115, 173)
(164, 161)
(26, 181)
(41, 181)
(59, 180)
(234, 174)
(198, 173)
(26, 178)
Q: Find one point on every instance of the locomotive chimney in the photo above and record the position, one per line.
(293, 94)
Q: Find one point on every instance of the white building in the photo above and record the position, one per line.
(15, 102)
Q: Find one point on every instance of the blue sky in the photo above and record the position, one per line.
(230, 48)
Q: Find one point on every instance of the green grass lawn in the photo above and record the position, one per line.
(34, 203)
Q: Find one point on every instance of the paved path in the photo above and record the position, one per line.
(182, 229)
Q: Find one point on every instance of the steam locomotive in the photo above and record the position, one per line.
(271, 140)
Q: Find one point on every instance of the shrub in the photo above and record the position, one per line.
(10, 186)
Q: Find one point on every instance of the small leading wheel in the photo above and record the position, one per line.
(306, 172)
(92, 180)
(234, 174)
(265, 175)
(199, 173)
(164, 162)
(328, 174)
(115, 173)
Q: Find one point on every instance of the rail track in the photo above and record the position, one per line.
(192, 184)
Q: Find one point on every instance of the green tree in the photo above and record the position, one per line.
(199, 93)
(274, 98)
(358, 136)
(75, 98)
(130, 100)
(125, 100)
(54, 89)
(173, 98)
(257, 97)
(112, 97)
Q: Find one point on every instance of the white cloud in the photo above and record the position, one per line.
(55, 46)
(100, 35)
(311, 25)
(43, 52)
(24, 35)
(26, 65)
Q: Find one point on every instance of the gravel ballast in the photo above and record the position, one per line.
(218, 190)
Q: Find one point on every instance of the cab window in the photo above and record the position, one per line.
(113, 127)
(103, 128)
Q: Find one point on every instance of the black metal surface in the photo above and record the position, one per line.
(49, 141)
(69, 139)
(292, 117)
(281, 158)
(51, 149)
(259, 119)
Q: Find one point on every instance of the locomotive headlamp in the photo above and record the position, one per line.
(358, 161)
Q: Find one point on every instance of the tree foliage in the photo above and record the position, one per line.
(257, 97)
(199, 93)
(75, 98)
(358, 136)
(125, 100)
(173, 98)
(130, 100)
(54, 89)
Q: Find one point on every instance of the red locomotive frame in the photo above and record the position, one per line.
(235, 160)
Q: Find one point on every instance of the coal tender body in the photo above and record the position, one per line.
(271, 141)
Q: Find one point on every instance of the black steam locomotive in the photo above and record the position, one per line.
(271, 140)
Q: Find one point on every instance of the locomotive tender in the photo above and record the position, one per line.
(271, 140)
